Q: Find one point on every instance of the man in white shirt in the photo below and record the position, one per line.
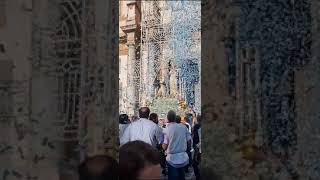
(142, 129)
(197, 147)
(176, 140)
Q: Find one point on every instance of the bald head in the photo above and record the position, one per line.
(144, 112)
(98, 168)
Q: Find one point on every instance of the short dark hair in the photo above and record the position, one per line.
(99, 167)
(171, 116)
(134, 156)
(178, 119)
(123, 119)
(154, 117)
(144, 112)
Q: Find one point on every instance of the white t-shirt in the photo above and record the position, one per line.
(122, 128)
(144, 130)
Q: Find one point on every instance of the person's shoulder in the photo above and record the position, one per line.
(160, 128)
(168, 126)
(182, 126)
(186, 128)
(148, 122)
(123, 125)
(128, 125)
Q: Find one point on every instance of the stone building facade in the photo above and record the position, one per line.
(148, 63)
(59, 79)
(34, 58)
(264, 64)
(129, 34)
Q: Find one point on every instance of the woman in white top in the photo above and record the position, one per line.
(123, 123)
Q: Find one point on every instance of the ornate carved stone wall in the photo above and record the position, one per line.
(58, 86)
(257, 100)
(130, 19)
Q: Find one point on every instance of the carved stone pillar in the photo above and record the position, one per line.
(132, 30)
(131, 91)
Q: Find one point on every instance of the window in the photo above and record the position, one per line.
(5, 70)
(67, 41)
(4, 102)
(70, 93)
(231, 55)
(5, 97)
(2, 13)
(2, 49)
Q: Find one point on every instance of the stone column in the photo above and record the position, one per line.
(132, 30)
(131, 90)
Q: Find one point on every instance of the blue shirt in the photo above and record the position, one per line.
(176, 137)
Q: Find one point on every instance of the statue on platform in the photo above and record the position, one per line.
(167, 81)
(162, 92)
(162, 89)
(173, 82)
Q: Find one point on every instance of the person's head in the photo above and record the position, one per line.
(99, 167)
(144, 112)
(178, 119)
(134, 118)
(161, 121)
(171, 116)
(139, 160)
(154, 117)
(123, 119)
(184, 120)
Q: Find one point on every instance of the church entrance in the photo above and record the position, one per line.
(160, 56)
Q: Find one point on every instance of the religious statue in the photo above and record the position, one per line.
(162, 89)
(173, 84)
(163, 76)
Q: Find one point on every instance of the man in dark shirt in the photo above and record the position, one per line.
(154, 117)
(196, 144)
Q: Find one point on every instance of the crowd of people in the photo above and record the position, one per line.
(177, 140)
(150, 146)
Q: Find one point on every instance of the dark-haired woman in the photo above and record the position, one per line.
(123, 123)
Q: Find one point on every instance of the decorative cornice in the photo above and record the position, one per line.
(131, 2)
(130, 28)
